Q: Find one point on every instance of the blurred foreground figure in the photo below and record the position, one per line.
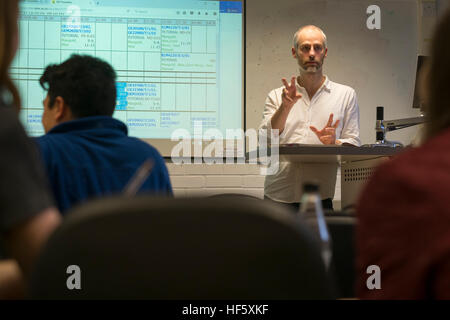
(27, 216)
(404, 211)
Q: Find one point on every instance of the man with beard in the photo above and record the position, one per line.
(311, 109)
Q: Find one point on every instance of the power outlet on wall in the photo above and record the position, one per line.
(428, 9)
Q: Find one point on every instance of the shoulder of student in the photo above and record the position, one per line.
(145, 146)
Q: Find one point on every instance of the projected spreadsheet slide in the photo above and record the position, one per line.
(167, 68)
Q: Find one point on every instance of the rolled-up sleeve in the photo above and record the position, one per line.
(271, 106)
(350, 128)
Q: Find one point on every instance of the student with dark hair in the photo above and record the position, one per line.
(27, 214)
(404, 212)
(86, 152)
(86, 84)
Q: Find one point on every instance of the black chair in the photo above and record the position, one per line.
(200, 248)
(342, 227)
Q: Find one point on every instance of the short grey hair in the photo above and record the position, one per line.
(325, 44)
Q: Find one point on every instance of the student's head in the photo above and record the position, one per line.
(82, 86)
(436, 80)
(9, 41)
(310, 48)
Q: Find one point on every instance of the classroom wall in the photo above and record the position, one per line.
(379, 64)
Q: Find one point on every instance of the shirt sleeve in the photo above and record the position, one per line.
(23, 192)
(270, 108)
(272, 104)
(350, 128)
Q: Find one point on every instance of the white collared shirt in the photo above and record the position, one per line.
(338, 99)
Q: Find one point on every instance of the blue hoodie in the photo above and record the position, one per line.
(93, 156)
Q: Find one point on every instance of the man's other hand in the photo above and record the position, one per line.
(328, 134)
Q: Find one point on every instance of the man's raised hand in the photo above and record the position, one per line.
(328, 134)
(290, 94)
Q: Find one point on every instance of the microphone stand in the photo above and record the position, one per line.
(384, 126)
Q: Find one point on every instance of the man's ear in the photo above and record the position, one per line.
(326, 52)
(60, 108)
(294, 53)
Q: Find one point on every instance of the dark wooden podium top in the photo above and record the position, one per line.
(308, 153)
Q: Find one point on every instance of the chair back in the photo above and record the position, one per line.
(198, 248)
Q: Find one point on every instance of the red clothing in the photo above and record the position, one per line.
(404, 225)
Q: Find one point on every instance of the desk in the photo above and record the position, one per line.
(357, 163)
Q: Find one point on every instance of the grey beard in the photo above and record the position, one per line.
(306, 71)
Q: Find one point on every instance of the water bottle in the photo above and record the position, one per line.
(311, 213)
